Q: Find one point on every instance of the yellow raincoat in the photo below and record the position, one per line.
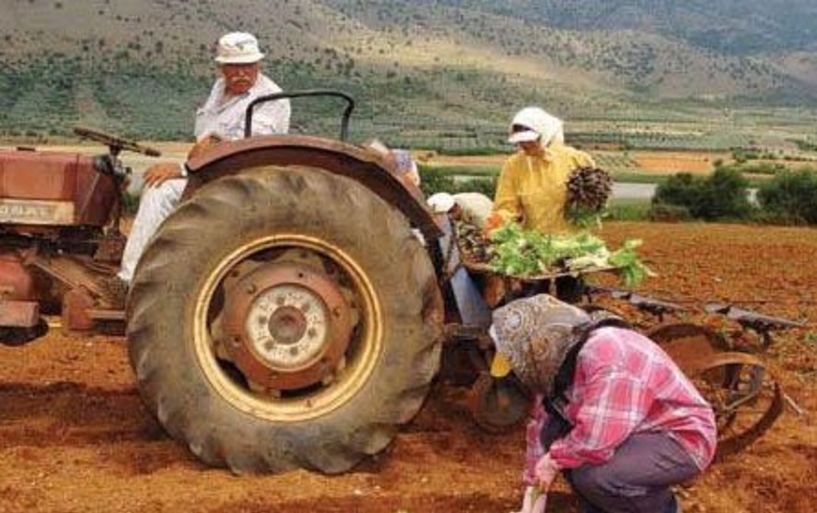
(533, 190)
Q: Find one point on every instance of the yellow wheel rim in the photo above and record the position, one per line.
(360, 364)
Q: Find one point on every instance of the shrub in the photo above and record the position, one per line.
(682, 189)
(486, 186)
(791, 195)
(762, 216)
(759, 168)
(723, 195)
(435, 179)
(764, 168)
(663, 213)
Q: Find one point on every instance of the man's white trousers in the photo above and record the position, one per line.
(155, 205)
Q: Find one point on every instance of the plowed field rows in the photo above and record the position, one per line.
(74, 436)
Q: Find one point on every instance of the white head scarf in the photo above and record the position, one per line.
(546, 128)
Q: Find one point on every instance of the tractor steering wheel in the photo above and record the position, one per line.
(114, 143)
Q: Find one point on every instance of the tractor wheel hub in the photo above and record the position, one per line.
(286, 325)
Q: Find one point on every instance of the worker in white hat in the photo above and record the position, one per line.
(220, 119)
(532, 188)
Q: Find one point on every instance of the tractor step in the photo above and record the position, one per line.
(20, 322)
(19, 314)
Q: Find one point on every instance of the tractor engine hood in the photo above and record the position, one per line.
(53, 188)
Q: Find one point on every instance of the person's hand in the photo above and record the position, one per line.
(202, 146)
(546, 470)
(527, 500)
(494, 290)
(534, 501)
(160, 173)
(493, 222)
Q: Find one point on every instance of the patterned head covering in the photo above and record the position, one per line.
(535, 335)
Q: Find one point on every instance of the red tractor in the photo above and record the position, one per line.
(59, 229)
(286, 315)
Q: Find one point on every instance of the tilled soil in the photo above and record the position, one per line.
(74, 436)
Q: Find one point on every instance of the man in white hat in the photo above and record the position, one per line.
(220, 119)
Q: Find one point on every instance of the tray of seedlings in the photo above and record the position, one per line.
(531, 255)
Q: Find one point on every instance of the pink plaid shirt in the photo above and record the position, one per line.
(625, 384)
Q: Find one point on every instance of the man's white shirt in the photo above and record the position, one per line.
(223, 116)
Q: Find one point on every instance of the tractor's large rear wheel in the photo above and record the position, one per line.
(284, 318)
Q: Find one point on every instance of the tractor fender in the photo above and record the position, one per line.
(366, 166)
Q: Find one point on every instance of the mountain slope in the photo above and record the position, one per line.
(740, 27)
(139, 66)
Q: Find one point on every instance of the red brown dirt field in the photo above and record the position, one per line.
(74, 436)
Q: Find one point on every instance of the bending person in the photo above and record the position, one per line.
(621, 421)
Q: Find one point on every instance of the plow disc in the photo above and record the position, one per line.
(497, 404)
(687, 342)
(745, 398)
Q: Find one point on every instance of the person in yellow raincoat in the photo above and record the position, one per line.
(532, 188)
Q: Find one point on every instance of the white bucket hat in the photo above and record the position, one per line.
(540, 124)
(441, 202)
(238, 48)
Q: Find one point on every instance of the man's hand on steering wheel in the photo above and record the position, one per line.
(202, 146)
(115, 143)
